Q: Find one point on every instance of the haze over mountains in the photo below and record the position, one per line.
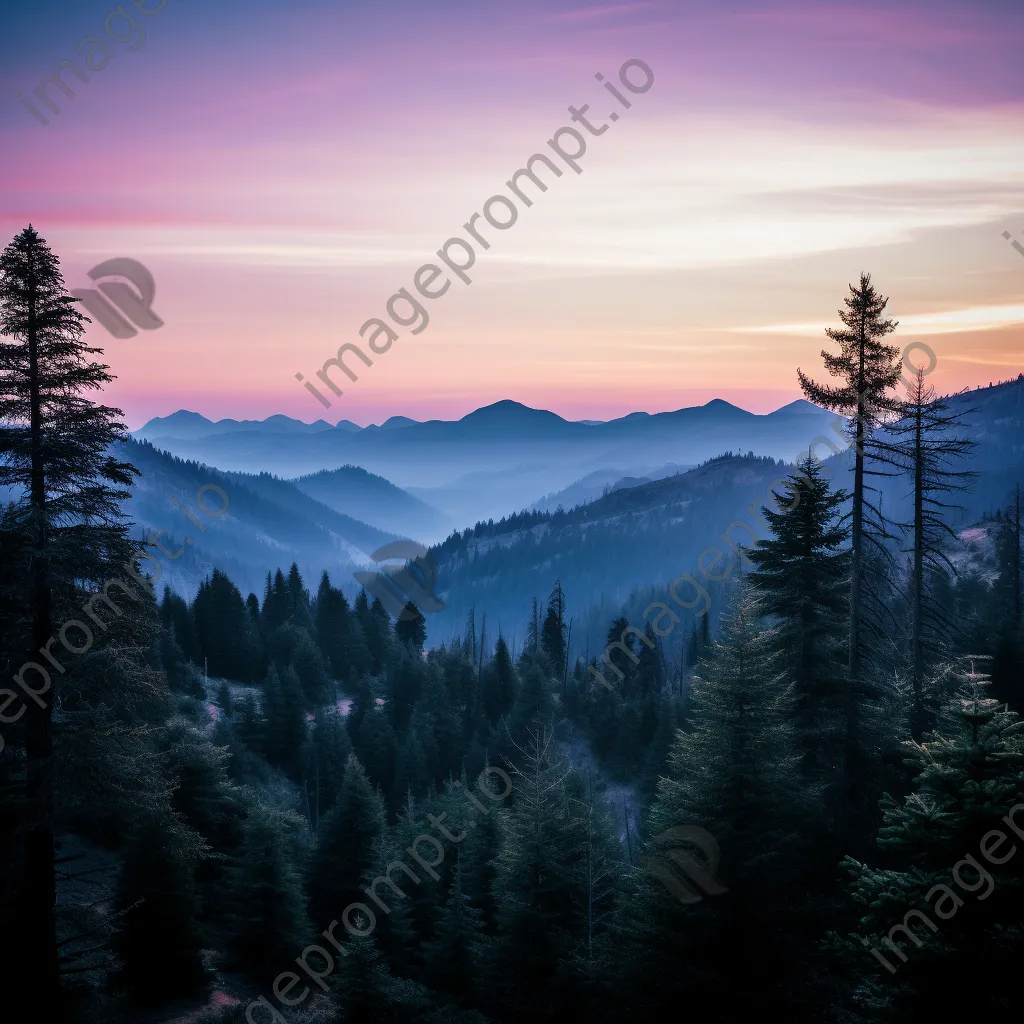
(542, 451)
(632, 524)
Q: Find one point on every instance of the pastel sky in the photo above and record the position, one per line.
(283, 168)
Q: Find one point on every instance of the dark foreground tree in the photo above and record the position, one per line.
(867, 369)
(723, 933)
(65, 537)
(940, 933)
(800, 582)
(927, 443)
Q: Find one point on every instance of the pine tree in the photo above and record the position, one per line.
(452, 955)
(800, 582)
(366, 992)
(553, 630)
(538, 886)
(868, 369)
(226, 638)
(284, 721)
(377, 748)
(345, 843)
(266, 906)
(650, 671)
(725, 931)
(926, 443)
(411, 627)
(332, 625)
(158, 939)
(499, 683)
(175, 615)
(969, 778)
(67, 533)
(324, 758)
(532, 629)
(1006, 619)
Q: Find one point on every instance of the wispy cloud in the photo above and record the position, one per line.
(955, 321)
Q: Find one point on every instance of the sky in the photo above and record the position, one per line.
(284, 168)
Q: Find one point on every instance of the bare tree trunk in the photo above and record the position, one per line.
(917, 714)
(38, 939)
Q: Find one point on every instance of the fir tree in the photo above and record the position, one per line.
(66, 534)
(411, 627)
(800, 582)
(537, 886)
(158, 940)
(284, 720)
(265, 902)
(332, 626)
(926, 443)
(553, 630)
(969, 779)
(726, 930)
(499, 683)
(345, 843)
(867, 369)
(452, 955)
(366, 991)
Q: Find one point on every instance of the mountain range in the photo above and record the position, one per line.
(523, 453)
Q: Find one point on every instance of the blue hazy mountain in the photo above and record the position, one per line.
(184, 426)
(600, 482)
(617, 553)
(502, 438)
(372, 499)
(269, 523)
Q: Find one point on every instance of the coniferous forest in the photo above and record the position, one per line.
(290, 805)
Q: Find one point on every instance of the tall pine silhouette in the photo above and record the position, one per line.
(65, 532)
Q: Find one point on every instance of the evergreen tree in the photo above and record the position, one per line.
(538, 887)
(377, 748)
(345, 843)
(298, 599)
(158, 940)
(969, 778)
(553, 630)
(66, 535)
(284, 728)
(867, 369)
(176, 617)
(226, 638)
(926, 443)
(324, 758)
(800, 581)
(411, 627)
(452, 956)
(312, 671)
(499, 683)
(332, 626)
(1006, 619)
(266, 906)
(650, 671)
(733, 784)
(366, 992)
